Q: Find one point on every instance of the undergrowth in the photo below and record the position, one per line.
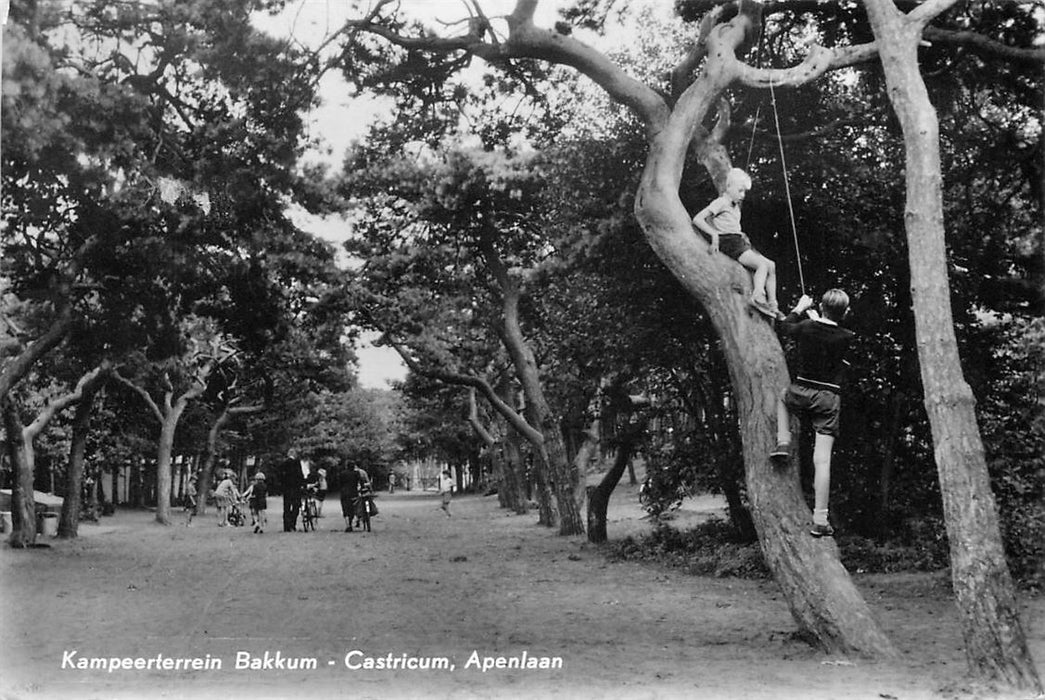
(713, 549)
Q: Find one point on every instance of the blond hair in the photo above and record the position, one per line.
(834, 304)
(736, 176)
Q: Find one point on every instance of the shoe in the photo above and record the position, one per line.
(821, 531)
(348, 529)
(780, 454)
(764, 308)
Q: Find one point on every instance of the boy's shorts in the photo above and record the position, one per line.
(734, 244)
(821, 405)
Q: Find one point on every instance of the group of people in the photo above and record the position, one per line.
(298, 482)
(227, 497)
(357, 498)
(822, 344)
(357, 494)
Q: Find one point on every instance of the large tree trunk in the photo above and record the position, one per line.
(23, 505)
(995, 644)
(822, 598)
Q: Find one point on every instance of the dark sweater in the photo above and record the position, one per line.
(822, 348)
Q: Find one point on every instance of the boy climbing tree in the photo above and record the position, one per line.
(815, 392)
(720, 220)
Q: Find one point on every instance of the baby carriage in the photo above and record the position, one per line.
(236, 516)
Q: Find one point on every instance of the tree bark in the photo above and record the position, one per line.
(599, 496)
(210, 455)
(516, 472)
(995, 645)
(512, 464)
(23, 505)
(69, 522)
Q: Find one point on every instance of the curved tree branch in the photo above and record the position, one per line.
(473, 420)
(513, 417)
(140, 392)
(58, 405)
(525, 40)
(984, 45)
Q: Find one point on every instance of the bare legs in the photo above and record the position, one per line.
(822, 448)
(764, 281)
(821, 476)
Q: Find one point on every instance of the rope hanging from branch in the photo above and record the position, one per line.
(787, 185)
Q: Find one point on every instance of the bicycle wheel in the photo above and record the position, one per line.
(308, 517)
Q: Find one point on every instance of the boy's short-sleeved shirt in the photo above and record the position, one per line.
(725, 215)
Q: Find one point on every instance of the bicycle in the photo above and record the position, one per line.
(309, 510)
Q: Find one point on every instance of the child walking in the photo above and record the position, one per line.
(257, 498)
(224, 495)
(446, 488)
(720, 220)
(815, 392)
(190, 500)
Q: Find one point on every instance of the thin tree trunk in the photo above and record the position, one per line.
(164, 447)
(23, 505)
(512, 463)
(515, 472)
(69, 522)
(995, 645)
(86, 389)
(560, 475)
(134, 487)
(206, 473)
(599, 496)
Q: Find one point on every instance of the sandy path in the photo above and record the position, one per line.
(424, 586)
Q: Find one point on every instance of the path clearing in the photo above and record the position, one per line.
(424, 587)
